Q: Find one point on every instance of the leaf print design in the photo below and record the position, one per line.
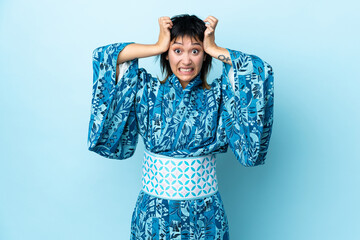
(180, 123)
(179, 219)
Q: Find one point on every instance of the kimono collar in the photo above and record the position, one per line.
(177, 85)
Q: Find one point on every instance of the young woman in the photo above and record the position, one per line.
(183, 121)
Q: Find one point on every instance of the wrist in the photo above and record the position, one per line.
(221, 54)
(160, 48)
(212, 50)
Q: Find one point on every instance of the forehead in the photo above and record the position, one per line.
(184, 39)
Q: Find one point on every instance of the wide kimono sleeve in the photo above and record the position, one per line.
(248, 100)
(113, 129)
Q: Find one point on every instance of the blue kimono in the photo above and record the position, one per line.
(237, 111)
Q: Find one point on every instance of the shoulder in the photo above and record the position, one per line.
(261, 67)
(215, 83)
(108, 51)
(251, 64)
(147, 81)
(144, 75)
(245, 63)
(215, 86)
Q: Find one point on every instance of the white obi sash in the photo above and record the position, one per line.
(179, 178)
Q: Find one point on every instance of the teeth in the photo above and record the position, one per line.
(185, 69)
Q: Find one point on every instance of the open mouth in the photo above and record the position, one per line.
(186, 70)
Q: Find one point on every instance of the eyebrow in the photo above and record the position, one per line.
(196, 43)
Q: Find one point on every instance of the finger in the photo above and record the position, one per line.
(214, 21)
(209, 30)
(164, 18)
(210, 19)
(211, 23)
(168, 25)
(207, 23)
(167, 21)
(213, 18)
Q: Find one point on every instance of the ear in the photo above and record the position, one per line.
(167, 57)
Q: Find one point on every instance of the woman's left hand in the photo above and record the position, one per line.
(209, 34)
(209, 42)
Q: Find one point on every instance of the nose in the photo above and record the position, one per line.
(186, 59)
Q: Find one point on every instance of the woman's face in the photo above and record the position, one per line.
(186, 56)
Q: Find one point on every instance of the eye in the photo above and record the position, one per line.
(195, 51)
(177, 51)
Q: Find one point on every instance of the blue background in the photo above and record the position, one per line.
(52, 187)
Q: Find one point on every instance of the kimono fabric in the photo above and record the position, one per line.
(179, 200)
(202, 218)
(181, 128)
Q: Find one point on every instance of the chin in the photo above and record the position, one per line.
(186, 79)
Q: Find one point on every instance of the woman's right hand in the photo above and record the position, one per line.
(165, 25)
(137, 50)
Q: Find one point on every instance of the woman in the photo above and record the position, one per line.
(184, 123)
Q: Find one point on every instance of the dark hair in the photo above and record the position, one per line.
(193, 27)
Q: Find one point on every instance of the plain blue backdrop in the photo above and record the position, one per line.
(52, 187)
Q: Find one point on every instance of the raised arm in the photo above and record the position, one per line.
(247, 90)
(137, 50)
(210, 46)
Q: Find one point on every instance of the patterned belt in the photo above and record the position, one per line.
(179, 178)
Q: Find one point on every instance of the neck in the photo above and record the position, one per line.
(184, 84)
